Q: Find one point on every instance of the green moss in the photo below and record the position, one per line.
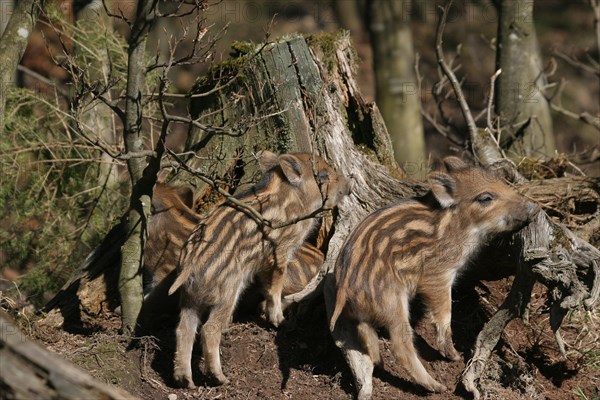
(559, 238)
(240, 48)
(535, 169)
(327, 44)
(285, 142)
(240, 59)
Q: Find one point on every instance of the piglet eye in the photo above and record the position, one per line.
(484, 198)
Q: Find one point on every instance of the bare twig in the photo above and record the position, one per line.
(138, 154)
(464, 106)
(120, 16)
(584, 116)
(491, 100)
(442, 130)
(595, 70)
(213, 130)
(43, 79)
(557, 106)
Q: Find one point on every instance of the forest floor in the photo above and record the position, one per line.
(300, 360)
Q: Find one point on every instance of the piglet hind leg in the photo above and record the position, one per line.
(403, 349)
(186, 333)
(346, 337)
(370, 341)
(211, 333)
(439, 303)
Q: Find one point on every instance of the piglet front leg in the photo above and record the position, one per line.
(273, 289)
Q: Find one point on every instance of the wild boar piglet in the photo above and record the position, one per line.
(419, 245)
(230, 248)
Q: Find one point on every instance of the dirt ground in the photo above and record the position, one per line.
(300, 360)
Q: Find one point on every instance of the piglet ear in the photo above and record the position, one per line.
(158, 196)
(454, 164)
(292, 168)
(267, 161)
(186, 195)
(443, 187)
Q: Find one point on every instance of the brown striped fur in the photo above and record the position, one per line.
(418, 246)
(172, 221)
(229, 249)
(302, 267)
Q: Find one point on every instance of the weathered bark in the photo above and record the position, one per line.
(277, 103)
(31, 372)
(130, 275)
(520, 86)
(12, 46)
(7, 10)
(396, 86)
(573, 192)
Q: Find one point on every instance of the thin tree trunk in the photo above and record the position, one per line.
(396, 88)
(12, 46)
(94, 19)
(521, 84)
(31, 372)
(130, 276)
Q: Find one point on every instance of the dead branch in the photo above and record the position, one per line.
(490, 104)
(464, 106)
(590, 69)
(557, 106)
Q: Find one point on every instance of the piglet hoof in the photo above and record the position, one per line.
(184, 381)
(220, 379)
(276, 319)
(436, 387)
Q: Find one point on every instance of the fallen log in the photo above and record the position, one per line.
(31, 372)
